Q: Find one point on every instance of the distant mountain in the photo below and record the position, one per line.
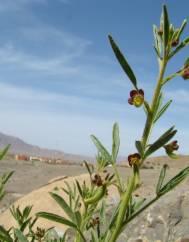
(18, 146)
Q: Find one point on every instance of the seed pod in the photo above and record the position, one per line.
(97, 196)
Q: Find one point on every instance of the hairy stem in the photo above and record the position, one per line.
(132, 183)
(149, 121)
(123, 206)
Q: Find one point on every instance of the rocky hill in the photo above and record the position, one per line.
(19, 146)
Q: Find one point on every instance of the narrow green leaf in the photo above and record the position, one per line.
(102, 162)
(6, 176)
(124, 64)
(62, 203)
(87, 167)
(78, 218)
(147, 107)
(157, 41)
(159, 103)
(174, 181)
(27, 211)
(161, 178)
(63, 239)
(101, 148)
(4, 151)
(33, 222)
(186, 63)
(139, 147)
(116, 142)
(138, 204)
(4, 235)
(114, 216)
(56, 218)
(167, 132)
(25, 224)
(181, 29)
(166, 137)
(157, 53)
(162, 111)
(183, 44)
(165, 27)
(172, 32)
(67, 192)
(20, 236)
(102, 211)
(79, 189)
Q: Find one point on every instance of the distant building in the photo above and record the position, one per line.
(35, 158)
(21, 157)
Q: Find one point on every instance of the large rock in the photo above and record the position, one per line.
(42, 201)
(165, 221)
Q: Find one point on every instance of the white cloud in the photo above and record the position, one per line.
(18, 59)
(65, 122)
(21, 96)
(61, 126)
(54, 50)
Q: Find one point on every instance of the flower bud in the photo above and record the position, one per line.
(171, 146)
(160, 31)
(175, 42)
(136, 98)
(134, 159)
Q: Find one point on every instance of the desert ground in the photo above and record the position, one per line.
(29, 176)
(167, 221)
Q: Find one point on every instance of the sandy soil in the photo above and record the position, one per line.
(35, 177)
(29, 176)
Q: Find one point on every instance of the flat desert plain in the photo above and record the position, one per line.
(29, 176)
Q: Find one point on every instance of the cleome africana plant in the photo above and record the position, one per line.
(86, 214)
(86, 206)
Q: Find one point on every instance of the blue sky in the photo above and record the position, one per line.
(60, 82)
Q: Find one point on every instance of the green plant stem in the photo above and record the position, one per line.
(80, 237)
(149, 121)
(123, 206)
(137, 175)
(132, 183)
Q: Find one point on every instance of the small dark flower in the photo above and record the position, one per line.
(134, 159)
(171, 146)
(97, 180)
(40, 233)
(136, 98)
(185, 73)
(95, 222)
(175, 42)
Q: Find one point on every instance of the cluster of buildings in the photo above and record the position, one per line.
(37, 158)
(22, 157)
